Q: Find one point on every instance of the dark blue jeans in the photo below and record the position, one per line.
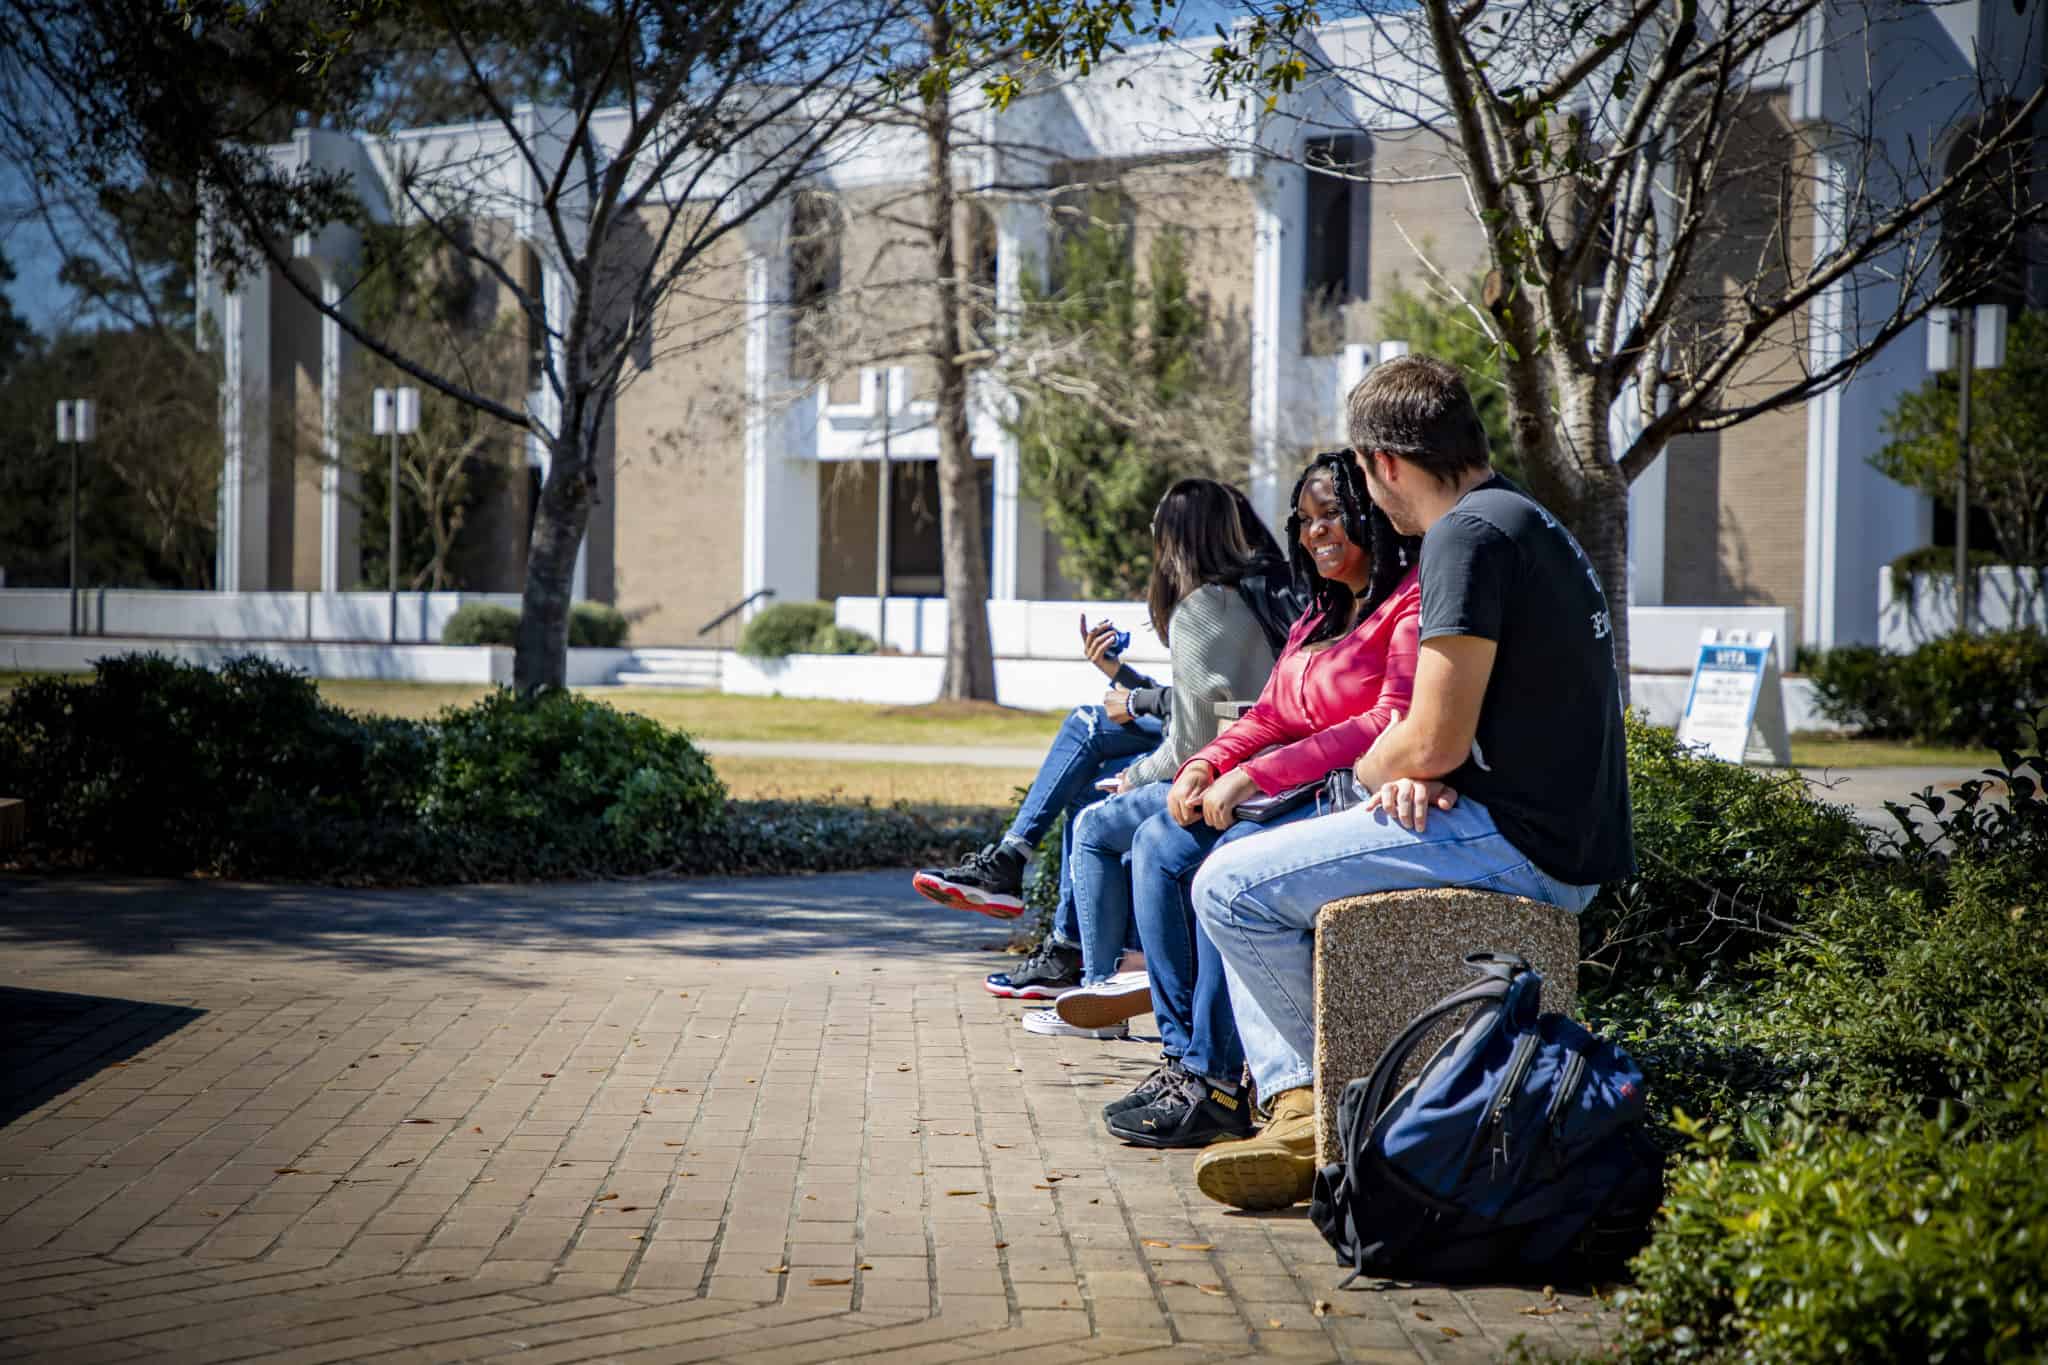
(1190, 995)
(1089, 747)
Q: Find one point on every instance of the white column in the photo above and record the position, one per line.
(1279, 198)
(340, 509)
(780, 503)
(1018, 541)
(1823, 428)
(242, 553)
(1646, 512)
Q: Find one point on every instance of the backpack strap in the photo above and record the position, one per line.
(1499, 971)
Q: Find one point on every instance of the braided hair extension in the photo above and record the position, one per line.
(1364, 525)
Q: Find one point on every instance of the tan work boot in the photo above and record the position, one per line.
(1271, 1170)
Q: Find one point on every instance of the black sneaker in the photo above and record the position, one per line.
(1054, 968)
(1151, 1088)
(1188, 1113)
(988, 882)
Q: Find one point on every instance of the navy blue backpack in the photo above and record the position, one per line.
(1517, 1151)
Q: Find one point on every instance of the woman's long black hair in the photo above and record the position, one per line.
(1365, 525)
(1199, 536)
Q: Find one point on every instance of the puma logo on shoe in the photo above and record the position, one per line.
(1227, 1101)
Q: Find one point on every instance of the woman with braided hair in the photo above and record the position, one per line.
(1345, 674)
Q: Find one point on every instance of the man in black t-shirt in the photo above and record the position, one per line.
(1506, 774)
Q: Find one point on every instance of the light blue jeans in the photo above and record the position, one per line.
(1257, 900)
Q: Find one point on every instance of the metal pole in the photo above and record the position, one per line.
(1969, 360)
(882, 525)
(392, 565)
(75, 624)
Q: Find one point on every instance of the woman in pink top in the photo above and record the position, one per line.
(1348, 667)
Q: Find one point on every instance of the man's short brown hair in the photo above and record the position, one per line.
(1417, 407)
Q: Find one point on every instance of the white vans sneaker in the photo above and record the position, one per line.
(1046, 1022)
(1123, 996)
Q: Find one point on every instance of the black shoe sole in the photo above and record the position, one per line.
(1174, 1139)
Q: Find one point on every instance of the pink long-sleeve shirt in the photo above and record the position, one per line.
(1320, 710)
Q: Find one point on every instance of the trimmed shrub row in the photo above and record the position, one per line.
(1958, 689)
(592, 625)
(162, 768)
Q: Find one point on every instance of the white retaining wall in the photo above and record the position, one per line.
(340, 616)
(478, 664)
(1925, 606)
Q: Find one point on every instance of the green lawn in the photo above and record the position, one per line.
(1812, 750)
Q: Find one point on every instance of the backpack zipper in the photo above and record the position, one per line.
(1560, 1104)
(1496, 1138)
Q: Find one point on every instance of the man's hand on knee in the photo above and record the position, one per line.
(1410, 799)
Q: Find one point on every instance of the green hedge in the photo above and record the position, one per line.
(162, 768)
(800, 628)
(592, 625)
(1957, 689)
(1856, 1122)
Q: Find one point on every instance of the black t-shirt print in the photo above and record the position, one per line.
(1548, 760)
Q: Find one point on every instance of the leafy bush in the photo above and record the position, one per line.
(800, 628)
(596, 625)
(576, 783)
(160, 767)
(1726, 854)
(1957, 689)
(841, 640)
(1909, 1242)
(784, 628)
(592, 625)
(481, 623)
(1867, 1178)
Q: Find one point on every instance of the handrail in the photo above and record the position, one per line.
(734, 610)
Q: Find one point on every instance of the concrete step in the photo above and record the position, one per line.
(702, 676)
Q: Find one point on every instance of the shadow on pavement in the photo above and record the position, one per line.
(873, 915)
(50, 1042)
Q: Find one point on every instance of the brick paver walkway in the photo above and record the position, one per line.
(662, 1121)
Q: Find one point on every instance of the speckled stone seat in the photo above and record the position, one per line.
(1383, 959)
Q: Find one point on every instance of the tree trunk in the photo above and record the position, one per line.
(1587, 491)
(970, 665)
(542, 657)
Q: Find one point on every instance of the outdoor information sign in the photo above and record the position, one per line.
(1736, 694)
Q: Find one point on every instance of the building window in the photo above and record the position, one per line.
(1335, 271)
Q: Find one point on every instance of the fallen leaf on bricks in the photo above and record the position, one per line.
(1168, 1284)
(1272, 1322)
(1004, 1146)
(1016, 1068)
(903, 1068)
(403, 1161)
(671, 1144)
(1095, 1201)
(626, 1208)
(485, 1180)
(810, 1196)
(1450, 1331)
(603, 1197)
(955, 1194)
(1155, 1242)
(1195, 1246)
(1549, 1291)
(776, 1270)
(1047, 1188)
(288, 1170)
(985, 1204)
(646, 1111)
(1422, 1315)
(547, 1075)
(637, 1237)
(419, 1120)
(1545, 1311)
(865, 1266)
(1054, 1178)
(819, 1281)
(475, 1129)
(682, 995)
(1001, 1245)
(1212, 1290)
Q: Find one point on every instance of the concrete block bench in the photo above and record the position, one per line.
(1383, 959)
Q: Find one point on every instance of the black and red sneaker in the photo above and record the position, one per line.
(988, 882)
(1053, 969)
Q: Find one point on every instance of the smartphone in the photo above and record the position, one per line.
(1108, 784)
